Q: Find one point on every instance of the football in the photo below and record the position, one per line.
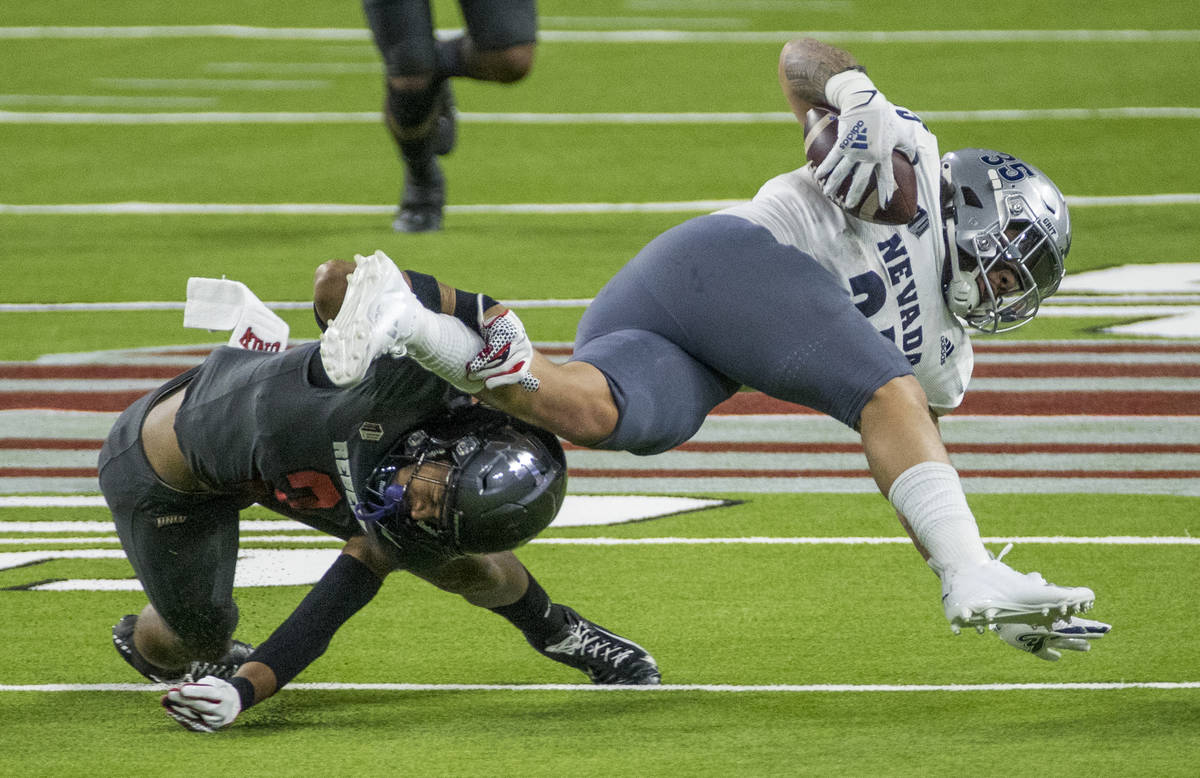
(821, 133)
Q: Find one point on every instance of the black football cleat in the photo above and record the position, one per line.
(605, 657)
(225, 667)
(421, 204)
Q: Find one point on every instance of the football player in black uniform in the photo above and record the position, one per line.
(407, 470)
(498, 46)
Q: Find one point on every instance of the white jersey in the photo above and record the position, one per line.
(894, 273)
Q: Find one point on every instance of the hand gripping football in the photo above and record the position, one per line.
(821, 133)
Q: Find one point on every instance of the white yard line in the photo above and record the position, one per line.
(1016, 384)
(816, 688)
(556, 209)
(469, 117)
(214, 84)
(110, 537)
(1152, 305)
(294, 68)
(620, 36)
(106, 100)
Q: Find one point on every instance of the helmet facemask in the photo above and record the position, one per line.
(503, 483)
(1026, 232)
(388, 507)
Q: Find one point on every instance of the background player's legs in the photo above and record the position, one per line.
(499, 43)
(419, 107)
(403, 31)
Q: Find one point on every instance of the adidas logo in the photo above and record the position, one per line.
(919, 223)
(857, 137)
(947, 349)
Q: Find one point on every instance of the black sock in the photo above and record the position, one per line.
(534, 614)
(450, 62)
(411, 120)
(420, 160)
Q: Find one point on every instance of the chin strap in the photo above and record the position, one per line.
(962, 293)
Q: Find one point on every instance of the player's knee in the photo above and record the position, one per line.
(410, 104)
(408, 87)
(409, 66)
(507, 66)
(329, 287)
(206, 636)
(470, 576)
(901, 395)
(370, 554)
(587, 428)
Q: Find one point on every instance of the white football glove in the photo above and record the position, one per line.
(869, 128)
(203, 706)
(1074, 634)
(506, 355)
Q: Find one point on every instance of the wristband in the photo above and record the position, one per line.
(245, 690)
(425, 288)
(468, 307)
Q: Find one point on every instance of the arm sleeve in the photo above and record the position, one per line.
(346, 587)
(466, 304)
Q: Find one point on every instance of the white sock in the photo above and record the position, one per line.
(930, 497)
(443, 345)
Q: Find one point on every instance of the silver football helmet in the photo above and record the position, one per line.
(1001, 213)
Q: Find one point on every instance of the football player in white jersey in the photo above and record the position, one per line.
(789, 294)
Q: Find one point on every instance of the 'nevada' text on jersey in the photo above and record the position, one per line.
(895, 258)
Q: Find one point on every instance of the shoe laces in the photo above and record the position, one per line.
(584, 642)
(1037, 577)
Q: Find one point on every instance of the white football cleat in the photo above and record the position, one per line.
(378, 314)
(994, 593)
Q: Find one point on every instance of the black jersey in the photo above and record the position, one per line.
(254, 423)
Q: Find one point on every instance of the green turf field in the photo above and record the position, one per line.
(780, 657)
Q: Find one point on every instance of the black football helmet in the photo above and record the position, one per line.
(506, 482)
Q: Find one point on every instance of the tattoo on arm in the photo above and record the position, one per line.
(806, 64)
